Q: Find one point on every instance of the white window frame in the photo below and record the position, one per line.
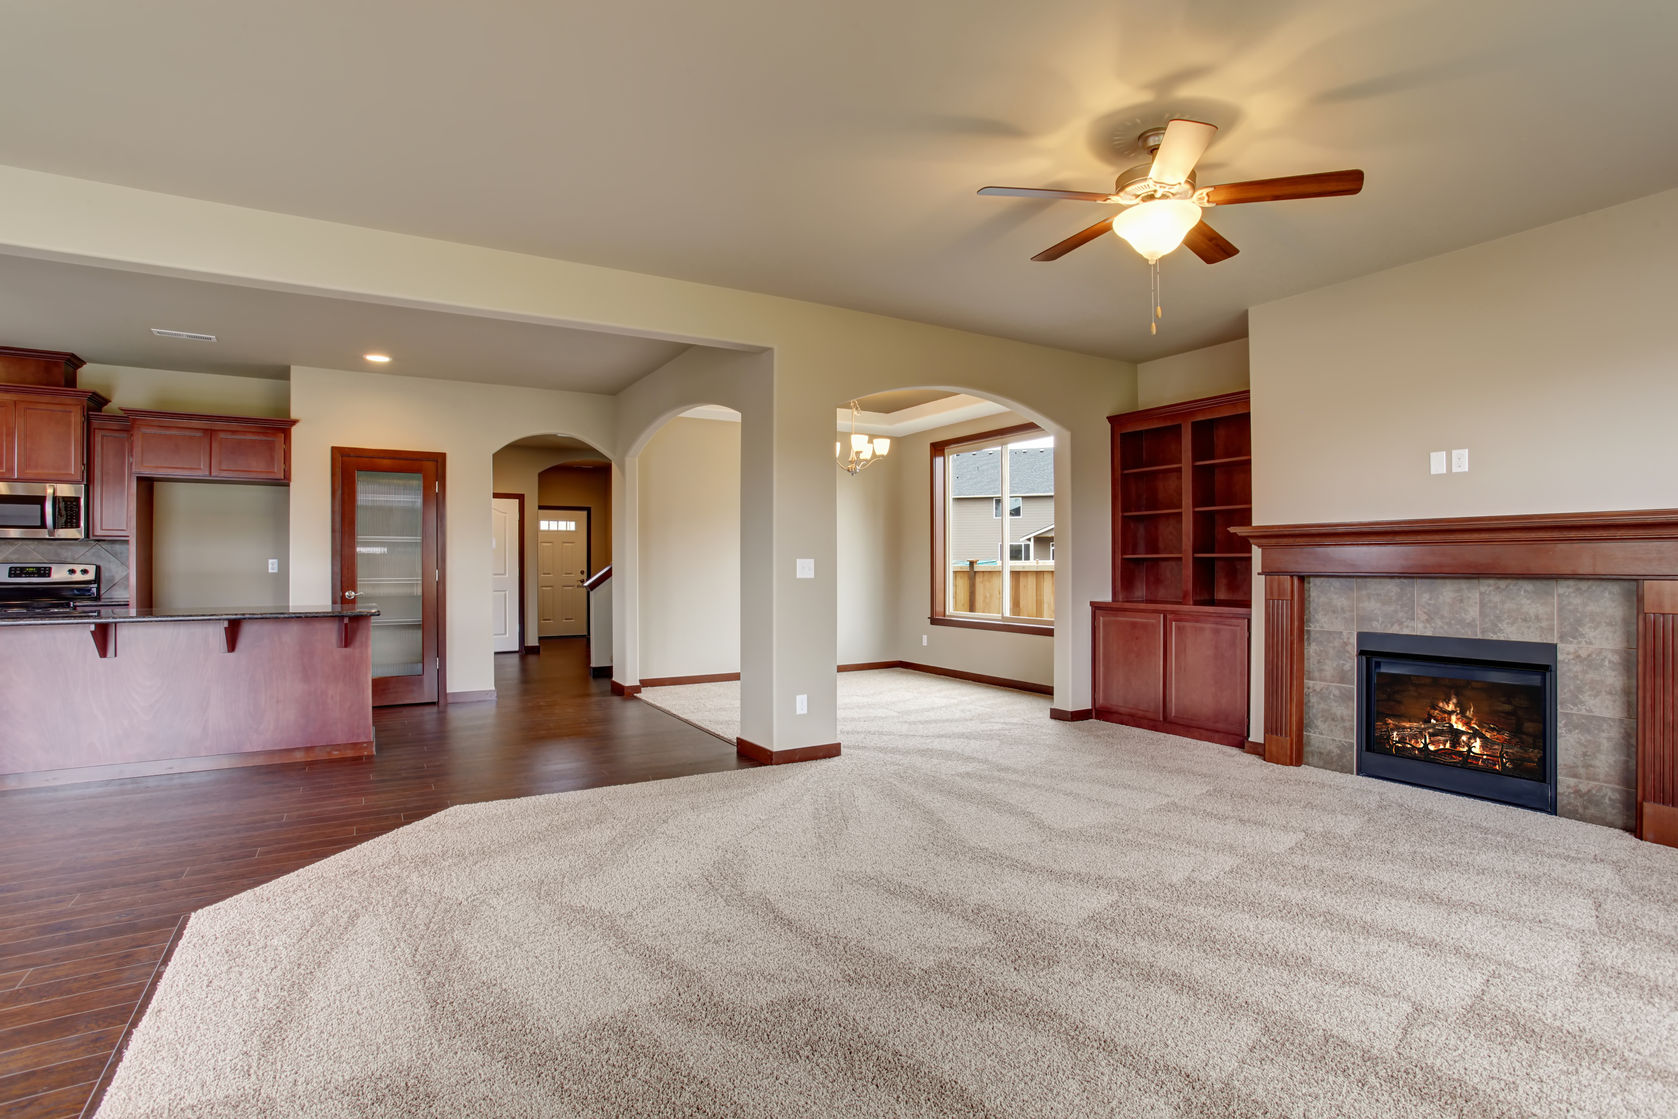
(1004, 562)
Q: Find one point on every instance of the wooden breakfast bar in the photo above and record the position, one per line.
(125, 692)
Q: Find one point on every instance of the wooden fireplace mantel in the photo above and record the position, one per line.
(1632, 544)
(1616, 544)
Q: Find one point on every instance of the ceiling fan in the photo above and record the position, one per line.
(1162, 204)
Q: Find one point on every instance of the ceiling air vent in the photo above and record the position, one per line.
(183, 335)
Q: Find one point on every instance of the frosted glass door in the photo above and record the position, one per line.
(389, 509)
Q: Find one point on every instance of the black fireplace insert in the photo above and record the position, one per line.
(1464, 715)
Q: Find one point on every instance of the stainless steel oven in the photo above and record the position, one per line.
(43, 511)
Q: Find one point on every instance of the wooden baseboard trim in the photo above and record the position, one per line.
(980, 678)
(1658, 824)
(1254, 747)
(1078, 715)
(751, 751)
(1239, 741)
(625, 690)
(600, 671)
(473, 697)
(46, 778)
(532, 650)
(870, 666)
(678, 681)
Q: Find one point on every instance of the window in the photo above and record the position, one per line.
(559, 526)
(989, 570)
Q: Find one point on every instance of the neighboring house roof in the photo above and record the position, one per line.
(1046, 530)
(1031, 472)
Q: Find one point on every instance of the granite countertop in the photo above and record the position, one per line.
(90, 614)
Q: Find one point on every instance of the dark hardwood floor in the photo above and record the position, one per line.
(96, 880)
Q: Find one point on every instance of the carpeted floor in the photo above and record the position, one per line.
(974, 912)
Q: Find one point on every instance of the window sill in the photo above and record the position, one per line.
(1036, 628)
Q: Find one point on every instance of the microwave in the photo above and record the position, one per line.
(43, 511)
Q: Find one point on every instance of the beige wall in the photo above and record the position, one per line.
(591, 488)
(1209, 371)
(690, 583)
(212, 542)
(1549, 354)
(168, 390)
(867, 557)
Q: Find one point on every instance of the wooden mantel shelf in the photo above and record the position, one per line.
(1624, 544)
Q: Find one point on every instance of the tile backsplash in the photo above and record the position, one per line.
(110, 555)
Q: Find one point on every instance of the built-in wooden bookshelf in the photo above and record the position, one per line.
(1182, 479)
(1171, 648)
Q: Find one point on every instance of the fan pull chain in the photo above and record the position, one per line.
(1156, 301)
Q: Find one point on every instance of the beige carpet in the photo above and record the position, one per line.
(973, 912)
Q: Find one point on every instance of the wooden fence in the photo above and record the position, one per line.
(978, 590)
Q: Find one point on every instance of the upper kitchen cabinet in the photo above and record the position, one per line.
(217, 448)
(49, 368)
(108, 472)
(43, 430)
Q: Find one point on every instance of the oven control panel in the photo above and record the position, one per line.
(36, 573)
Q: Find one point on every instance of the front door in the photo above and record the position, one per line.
(387, 553)
(504, 567)
(562, 556)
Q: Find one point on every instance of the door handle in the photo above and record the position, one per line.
(352, 595)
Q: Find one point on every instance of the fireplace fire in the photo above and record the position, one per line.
(1468, 716)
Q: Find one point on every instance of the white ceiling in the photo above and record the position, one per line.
(831, 151)
(105, 316)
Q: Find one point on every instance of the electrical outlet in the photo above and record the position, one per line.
(802, 704)
(806, 569)
(1459, 461)
(923, 639)
(1436, 462)
(273, 567)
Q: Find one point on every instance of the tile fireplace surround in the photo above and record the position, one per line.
(1602, 586)
(1592, 623)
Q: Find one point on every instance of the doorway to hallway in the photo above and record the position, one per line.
(562, 559)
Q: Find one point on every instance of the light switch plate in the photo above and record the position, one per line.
(273, 567)
(806, 569)
(1459, 461)
(802, 703)
(923, 639)
(1436, 462)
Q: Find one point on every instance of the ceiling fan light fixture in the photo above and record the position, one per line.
(1157, 227)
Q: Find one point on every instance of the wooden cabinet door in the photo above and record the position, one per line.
(1130, 663)
(108, 478)
(8, 439)
(256, 456)
(51, 440)
(180, 451)
(1206, 673)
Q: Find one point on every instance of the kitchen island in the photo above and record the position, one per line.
(123, 692)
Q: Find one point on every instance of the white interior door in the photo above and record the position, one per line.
(562, 566)
(505, 572)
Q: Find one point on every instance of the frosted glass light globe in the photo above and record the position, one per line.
(1155, 228)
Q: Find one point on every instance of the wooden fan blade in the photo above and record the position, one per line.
(1180, 149)
(1082, 237)
(1045, 192)
(1208, 244)
(1323, 184)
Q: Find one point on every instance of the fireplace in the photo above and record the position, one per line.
(1469, 716)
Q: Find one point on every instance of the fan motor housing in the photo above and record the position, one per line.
(1134, 185)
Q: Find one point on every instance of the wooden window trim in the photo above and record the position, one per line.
(939, 616)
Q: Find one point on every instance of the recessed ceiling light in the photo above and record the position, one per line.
(183, 335)
(380, 358)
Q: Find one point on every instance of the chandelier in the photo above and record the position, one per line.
(864, 450)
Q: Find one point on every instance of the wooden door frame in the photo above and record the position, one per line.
(588, 556)
(438, 457)
(519, 497)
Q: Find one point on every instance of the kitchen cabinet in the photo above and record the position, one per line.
(43, 432)
(108, 471)
(214, 448)
(1171, 651)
